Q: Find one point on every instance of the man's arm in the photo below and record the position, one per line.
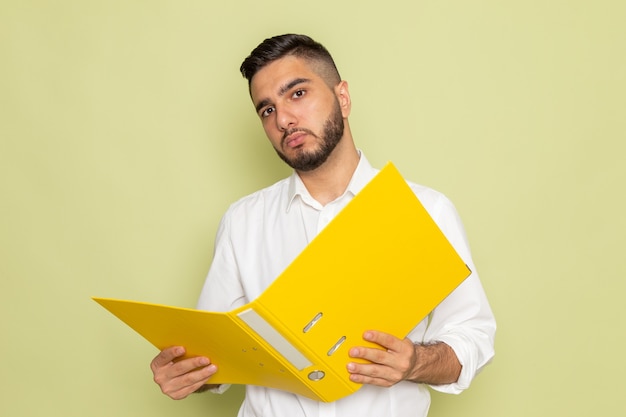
(402, 360)
(178, 379)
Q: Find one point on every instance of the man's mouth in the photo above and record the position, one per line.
(295, 139)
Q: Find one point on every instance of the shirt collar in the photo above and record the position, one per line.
(361, 176)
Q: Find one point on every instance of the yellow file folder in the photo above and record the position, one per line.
(381, 264)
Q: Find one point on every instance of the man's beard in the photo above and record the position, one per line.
(331, 136)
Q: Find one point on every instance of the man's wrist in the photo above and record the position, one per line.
(435, 364)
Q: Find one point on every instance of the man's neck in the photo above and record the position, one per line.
(331, 179)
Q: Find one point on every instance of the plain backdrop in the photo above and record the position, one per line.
(126, 130)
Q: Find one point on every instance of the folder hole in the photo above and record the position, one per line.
(312, 322)
(316, 375)
(336, 345)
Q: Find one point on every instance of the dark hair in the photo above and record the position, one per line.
(300, 46)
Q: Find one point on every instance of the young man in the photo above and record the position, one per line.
(304, 106)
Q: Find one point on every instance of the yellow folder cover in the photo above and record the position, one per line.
(381, 264)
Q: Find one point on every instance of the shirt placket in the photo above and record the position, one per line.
(325, 216)
(327, 409)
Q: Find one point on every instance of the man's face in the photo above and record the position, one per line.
(300, 113)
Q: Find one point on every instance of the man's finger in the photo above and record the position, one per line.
(181, 386)
(374, 355)
(186, 366)
(386, 340)
(167, 355)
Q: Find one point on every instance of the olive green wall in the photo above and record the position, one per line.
(126, 130)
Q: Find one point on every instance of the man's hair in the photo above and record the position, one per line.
(300, 46)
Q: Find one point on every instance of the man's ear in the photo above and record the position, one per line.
(343, 96)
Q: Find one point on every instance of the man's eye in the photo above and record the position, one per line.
(299, 93)
(267, 112)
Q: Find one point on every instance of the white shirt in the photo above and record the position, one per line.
(262, 233)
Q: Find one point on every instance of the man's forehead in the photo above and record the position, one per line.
(275, 76)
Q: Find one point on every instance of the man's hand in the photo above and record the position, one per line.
(391, 363)
(178, 379)
(401, 360)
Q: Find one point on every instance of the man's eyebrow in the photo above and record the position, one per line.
(292, 84)
(261, 104)
(282, 90)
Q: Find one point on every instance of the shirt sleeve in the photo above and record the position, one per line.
(222, 290)
(464, 320)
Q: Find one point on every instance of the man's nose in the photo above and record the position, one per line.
(285, 119)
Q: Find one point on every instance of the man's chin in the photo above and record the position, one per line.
(304, 160)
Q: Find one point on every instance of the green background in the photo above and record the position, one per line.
(126, 130)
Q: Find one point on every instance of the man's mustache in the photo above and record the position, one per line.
(291, 131)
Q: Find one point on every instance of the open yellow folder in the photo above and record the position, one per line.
(381, 264)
